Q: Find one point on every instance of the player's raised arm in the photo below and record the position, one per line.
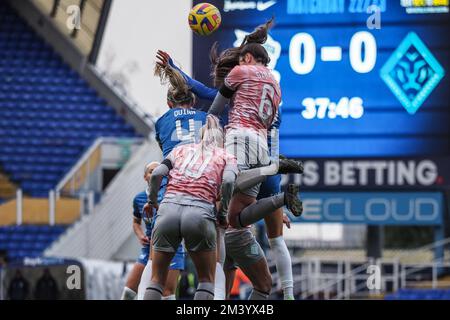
(157, 134)
(220, 101)
(137, 220)
(155, 181)
(229, 175)
(226, 91)
(198, 88)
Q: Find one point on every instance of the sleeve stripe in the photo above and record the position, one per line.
(226, 92)
(168, 163)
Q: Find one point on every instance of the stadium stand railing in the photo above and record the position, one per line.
(51, 210)
(345, 278)
(101, 234)
(81, 179)
(7, 188)
(49, 114)
(76, 193)
(79, 175)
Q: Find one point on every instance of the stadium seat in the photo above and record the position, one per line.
(420, 294)
(48, 113)
(28, 240)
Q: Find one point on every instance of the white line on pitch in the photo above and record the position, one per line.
(331, 53)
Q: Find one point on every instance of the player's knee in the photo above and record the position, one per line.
(264, 284)
(135, 276)
(274, 231)
(228, 183)
(234, 219)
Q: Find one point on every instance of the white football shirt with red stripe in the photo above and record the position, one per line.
(198, 171)
(256, 99)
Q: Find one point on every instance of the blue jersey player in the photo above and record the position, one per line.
(270, 187)
(138, 273)
(180, 124)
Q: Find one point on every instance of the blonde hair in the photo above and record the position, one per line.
(212, 133)
(178, 92)
(149, 165)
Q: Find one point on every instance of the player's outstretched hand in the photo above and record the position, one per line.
(286, 221)
(144, 240)
(164, 59)
(147, 209)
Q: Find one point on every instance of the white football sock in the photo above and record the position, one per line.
(221, 243)
(145, 280)
(219, 283)
(284, 266)
(171, 297)
(128, 294)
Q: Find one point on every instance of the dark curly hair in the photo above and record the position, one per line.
(229, 58)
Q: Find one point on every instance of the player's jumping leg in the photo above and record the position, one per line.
(160, 269)
(259, 275)
(205, 262)
(171, 285)
(244, 211)
(274, 224)
(145, 280)
(251, 177)
(230, 274)
(219, 284)
(244, 251)
(131, 287)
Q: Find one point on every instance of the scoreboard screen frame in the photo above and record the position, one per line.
(344, 78)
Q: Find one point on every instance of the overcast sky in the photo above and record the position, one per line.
(135, 30)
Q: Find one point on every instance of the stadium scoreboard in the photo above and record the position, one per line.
(359, 78)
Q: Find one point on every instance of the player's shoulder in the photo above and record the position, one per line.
(201, 114)
(140, 196)
(263, 72)
(240, 70)
(162, 118)
(165, 115)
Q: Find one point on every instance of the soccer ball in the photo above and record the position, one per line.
(204, 19)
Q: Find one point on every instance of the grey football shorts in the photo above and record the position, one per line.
(250, 150)
(242, 249)
(196, 225)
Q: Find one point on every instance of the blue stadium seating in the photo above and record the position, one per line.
(420, 294)
(27, 240)
(48, 114)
